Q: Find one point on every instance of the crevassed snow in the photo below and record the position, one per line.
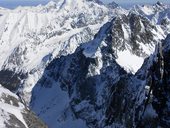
(129, 61)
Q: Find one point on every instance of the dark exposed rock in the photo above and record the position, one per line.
(156, 72)
(13, 122)
(112, 5)
(97, 1)
(121, 100)
(123, 95)
(159, 3)
(125, 105)
(10, 79)
(8, 99)
(138, 28)
(32, 120)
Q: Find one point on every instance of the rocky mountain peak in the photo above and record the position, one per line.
(112, 4)
(96, 1)
(160, 3)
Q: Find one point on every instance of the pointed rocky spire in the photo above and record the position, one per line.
(112, 5)
(159, 3)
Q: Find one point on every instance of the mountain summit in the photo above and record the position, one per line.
(82, 63)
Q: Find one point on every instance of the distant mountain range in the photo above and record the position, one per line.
(85, 64)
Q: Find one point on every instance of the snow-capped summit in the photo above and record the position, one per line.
(76, 62)
(157, 13)
(52, 4)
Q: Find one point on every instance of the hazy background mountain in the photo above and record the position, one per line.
(14, 3)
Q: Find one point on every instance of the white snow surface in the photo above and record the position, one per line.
(129, 61)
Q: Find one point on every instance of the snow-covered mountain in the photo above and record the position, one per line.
(158, 14)
(46, 28)
(31, 37)
(83, 63)
(95, 70)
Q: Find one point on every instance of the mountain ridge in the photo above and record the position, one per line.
(87, 65)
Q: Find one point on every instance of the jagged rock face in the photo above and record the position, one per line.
(24, 30)
(151, 101)
(10, 79)
(99, 89)
(165, 24)
(155, 72)
(159, 73)
(15, 114)
(81, 77)
(134, 31)
(155, 13)
(112, 5)
(30, 38)
(125, 102)
(134, 35)
(95, 82)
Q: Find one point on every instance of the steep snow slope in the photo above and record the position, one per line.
(14, 113)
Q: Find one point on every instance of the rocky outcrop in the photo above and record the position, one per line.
(156, 72)
(10, 79)
(15, 114)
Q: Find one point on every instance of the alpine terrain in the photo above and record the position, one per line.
(85, 64)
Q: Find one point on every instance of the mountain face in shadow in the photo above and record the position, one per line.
(93, 87)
